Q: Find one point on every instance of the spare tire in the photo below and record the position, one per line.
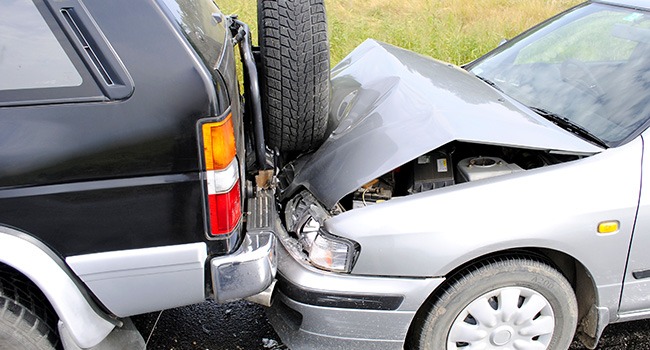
(295, 66)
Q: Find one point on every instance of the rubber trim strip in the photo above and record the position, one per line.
(339, 300)
(95, 185)
(641, 274)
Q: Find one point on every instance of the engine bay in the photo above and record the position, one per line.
(452, 164)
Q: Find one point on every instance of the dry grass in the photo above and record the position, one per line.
(456, 31)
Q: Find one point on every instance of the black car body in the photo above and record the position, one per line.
(122, 160)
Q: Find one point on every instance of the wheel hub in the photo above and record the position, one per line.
(501, 336)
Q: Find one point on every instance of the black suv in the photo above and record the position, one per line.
(134, 176)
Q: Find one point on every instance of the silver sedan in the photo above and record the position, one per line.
(496, 205)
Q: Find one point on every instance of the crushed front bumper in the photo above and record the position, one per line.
(250, 271)
(315, 309)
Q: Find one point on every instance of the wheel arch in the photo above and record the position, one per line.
(590, 325)
(86, 323)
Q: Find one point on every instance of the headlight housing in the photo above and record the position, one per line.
(333, 253)
(327, 251)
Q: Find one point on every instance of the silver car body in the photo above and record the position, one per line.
(391, 106)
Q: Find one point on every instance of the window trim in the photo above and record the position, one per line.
(93, 48)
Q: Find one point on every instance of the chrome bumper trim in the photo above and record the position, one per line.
(251, 269)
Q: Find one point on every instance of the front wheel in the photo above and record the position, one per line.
(505, 303)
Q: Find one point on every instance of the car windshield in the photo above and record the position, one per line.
(589, 66)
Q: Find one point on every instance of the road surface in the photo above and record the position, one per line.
(243, 326)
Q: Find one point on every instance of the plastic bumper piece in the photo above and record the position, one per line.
(251, 269)
(315, 309)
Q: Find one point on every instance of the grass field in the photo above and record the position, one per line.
(455, 31)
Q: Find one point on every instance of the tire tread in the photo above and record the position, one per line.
(25, 311)
(295, 72)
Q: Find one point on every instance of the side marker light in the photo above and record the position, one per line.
(608, 227)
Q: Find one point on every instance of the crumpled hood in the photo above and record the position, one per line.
(391, 105)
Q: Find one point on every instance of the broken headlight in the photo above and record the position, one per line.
(325, 250)
(304, 217)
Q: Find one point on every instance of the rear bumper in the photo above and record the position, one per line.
(314, 309)
(251, 269)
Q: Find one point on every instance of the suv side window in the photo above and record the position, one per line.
(38, 64)
(30, 55)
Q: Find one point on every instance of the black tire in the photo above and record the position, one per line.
(491, 284)
(295, 66)
(26, 318)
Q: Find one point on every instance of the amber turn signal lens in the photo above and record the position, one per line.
(607, 227)
(219, 144)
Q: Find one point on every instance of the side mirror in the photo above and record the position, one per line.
(503, 41)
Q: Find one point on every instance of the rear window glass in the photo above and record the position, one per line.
(30, 55)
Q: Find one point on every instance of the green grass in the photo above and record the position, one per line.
(455, 31)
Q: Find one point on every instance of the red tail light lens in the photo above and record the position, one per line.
(225, 211)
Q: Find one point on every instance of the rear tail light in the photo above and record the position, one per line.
(222, 175)
(225, 211)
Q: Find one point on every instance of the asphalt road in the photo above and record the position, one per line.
(243, 326)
